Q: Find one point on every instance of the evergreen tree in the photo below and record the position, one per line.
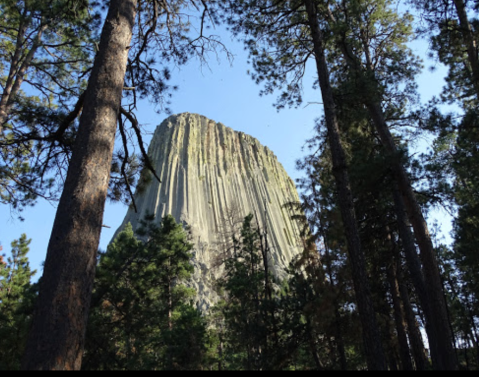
(16, 303)
(142, 315)
(379, 221)
(461, 312)
(319, 203)
(281, 37)
(47, 50)
(251, 335)
(335, 288)
(311, 315)
(451, 167)
(376, 75)
(161, 30)
(451, 27)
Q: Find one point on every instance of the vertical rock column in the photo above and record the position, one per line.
(207, 169)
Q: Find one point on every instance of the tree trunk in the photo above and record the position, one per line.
(415, 271)
(56, 338)
(446, 358)
(371, 337)
(312, 345)
(14, 64)
(415, 338)
(337, 316)
(391, 346)
(399, 320)
(475, 338)
(469, 41)
(414, 268)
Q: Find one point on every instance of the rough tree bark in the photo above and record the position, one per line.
(399, 317)
(371, 337)
(56, 338)
(414, 334)
(415, 271)
(469, 41)
(446, 358)
(442, 338)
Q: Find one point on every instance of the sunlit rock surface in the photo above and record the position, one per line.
(206, 170)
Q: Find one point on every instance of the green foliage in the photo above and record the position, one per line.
(331, 306)
(277, 38)
(47, 50)
(17, 297)
(249, 313)
(442, 25)
(452, 165)
(142, 313)
(142, 316)
(466, 225)
(451, 169)
(378, 64)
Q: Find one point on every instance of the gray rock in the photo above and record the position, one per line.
(212, 176)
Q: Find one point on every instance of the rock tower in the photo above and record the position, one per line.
(209, 175)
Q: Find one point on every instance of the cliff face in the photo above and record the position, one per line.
(211, 175)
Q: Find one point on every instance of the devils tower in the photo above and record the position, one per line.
(209, 172)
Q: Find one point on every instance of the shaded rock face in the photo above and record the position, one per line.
(212, 176)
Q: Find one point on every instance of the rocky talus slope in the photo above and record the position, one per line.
(211, 178)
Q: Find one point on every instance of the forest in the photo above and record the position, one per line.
(373, 289)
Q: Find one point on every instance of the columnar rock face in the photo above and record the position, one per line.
(210, 172)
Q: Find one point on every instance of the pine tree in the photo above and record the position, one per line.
(16, 303)
(47, 49)
(251, 334)
(377, 214)
(360, 27)
(335, 289)
(292, 32)
(142, 315)
(451, 27)
(57, 334)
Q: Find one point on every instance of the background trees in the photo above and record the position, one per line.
(249, 308)
(142, 315)
(17, 295)
(279, 60)
(366, 196)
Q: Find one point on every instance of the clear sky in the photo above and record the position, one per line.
(224, 93)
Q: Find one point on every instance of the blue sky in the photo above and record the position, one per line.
(224, 93)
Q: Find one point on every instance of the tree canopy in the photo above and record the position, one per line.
(374, 287)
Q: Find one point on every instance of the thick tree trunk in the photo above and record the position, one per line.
(371, 337)
(414, 335)
(470, 43)
(399, 317)
(415, 271)
(56, 338)
(446, 358)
